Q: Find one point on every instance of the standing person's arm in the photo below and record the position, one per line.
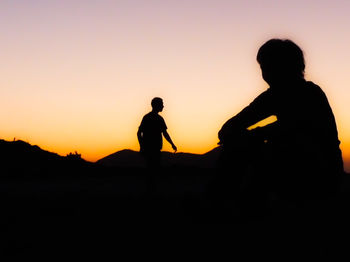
(167, 137)
(140, 135)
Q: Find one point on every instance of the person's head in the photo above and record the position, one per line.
(157, 104)
(281, 60)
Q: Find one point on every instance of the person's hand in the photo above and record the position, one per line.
(175, 148)
(227, 136)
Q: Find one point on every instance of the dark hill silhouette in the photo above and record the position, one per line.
(62, 203)
(130, 158)
(18, 156)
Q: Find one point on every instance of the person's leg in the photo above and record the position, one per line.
(237, 184)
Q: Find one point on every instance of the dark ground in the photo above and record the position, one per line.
(58, 211)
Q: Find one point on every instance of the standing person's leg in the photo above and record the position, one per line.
(153, 162)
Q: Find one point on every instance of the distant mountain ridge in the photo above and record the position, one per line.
(130, 158)
(20, 155)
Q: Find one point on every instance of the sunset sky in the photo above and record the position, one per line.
(78, 75)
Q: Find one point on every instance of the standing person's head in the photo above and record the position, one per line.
(157, 104)
(281, 60)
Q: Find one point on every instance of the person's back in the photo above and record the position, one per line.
(307, 131)
(306, 146)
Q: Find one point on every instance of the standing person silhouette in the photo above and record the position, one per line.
(150, 133)
(300, 151)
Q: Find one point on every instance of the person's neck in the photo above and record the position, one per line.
(287, 84)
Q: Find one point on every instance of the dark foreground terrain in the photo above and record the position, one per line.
(52, 206)
(54, 211)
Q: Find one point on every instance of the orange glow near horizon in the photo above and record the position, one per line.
(80, 75)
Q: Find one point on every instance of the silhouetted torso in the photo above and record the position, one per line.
(297, 153)
(152, 126)
(305, 130)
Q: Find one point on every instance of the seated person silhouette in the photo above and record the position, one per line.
(299, 152)
(150, 133)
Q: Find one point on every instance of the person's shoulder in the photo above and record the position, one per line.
(263, 97)
(267, 92)
(315, 93)
(148, 115)
(160, 118)
(153, 116)
(314, 88)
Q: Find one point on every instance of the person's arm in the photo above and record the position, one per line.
(167, 137)
(258, 110)
(139, 137)
(266, 133)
